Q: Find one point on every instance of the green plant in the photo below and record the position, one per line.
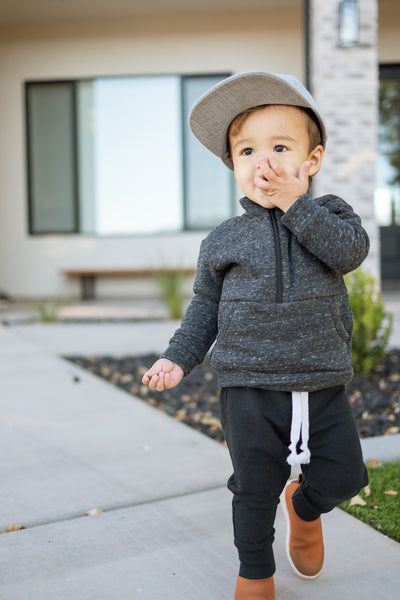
(47, 311)
(372, 324)
(171, 282)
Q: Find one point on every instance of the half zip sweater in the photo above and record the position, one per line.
(269, 292)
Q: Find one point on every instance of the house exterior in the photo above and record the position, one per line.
(97, 166)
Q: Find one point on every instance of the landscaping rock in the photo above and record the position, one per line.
(374, 399)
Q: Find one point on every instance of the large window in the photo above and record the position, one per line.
(387, 193)
(111, 156)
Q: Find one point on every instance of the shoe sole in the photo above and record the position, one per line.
(287, 544)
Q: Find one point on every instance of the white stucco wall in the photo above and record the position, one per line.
(271, 40)
(30, 265)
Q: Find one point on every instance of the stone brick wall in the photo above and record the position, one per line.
(344, 82)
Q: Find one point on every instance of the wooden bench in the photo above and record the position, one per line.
(88, 276)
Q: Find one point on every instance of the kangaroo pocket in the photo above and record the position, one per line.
(295, 337)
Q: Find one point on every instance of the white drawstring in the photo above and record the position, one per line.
(300, 426)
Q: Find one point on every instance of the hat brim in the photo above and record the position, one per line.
(211, 116)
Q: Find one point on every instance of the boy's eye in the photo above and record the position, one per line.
(247, 151)
(280, 148)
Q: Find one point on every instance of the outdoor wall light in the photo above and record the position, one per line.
(348, 23)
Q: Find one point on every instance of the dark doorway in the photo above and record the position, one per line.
(387, 192)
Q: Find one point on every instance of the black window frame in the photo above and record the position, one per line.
(28, 123)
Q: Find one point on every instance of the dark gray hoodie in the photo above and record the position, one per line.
(269, 289)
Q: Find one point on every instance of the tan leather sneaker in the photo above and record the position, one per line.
(255, 589)
(304, 541)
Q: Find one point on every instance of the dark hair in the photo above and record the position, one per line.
(314, 132)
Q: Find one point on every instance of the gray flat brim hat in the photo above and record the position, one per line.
(211, 116)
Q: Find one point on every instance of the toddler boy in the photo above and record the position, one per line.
(269, 291)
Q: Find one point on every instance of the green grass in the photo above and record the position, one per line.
(381, 511)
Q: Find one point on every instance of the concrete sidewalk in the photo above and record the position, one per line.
(71, 443)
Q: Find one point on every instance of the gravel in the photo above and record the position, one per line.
(375, 399)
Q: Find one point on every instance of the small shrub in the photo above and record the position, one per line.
(171, 286)
(372, 324)
(47, 311)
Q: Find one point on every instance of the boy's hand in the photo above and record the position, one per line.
(163, 375)
(281, 188)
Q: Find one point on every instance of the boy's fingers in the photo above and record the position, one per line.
(151, 380)
(160, 377)
(147, 377)
(157, 385)
(151, 373)
(160, 387)
(168, 381)
(274, 166)
(303, 173)
(154, 370)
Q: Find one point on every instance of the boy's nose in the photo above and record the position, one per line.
(262, 162)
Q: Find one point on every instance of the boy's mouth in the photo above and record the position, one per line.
(262, 178)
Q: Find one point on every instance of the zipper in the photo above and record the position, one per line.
(278, 258)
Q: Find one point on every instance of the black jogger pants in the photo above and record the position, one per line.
(256, 423)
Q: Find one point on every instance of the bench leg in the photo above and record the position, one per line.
(87, 287)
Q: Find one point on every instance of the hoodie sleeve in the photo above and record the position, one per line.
(198, 330)
(330, 229)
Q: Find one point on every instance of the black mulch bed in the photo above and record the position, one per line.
(375, 399)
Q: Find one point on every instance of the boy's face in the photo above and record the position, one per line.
(276, 132)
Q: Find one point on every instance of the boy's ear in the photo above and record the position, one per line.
(315, 158)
